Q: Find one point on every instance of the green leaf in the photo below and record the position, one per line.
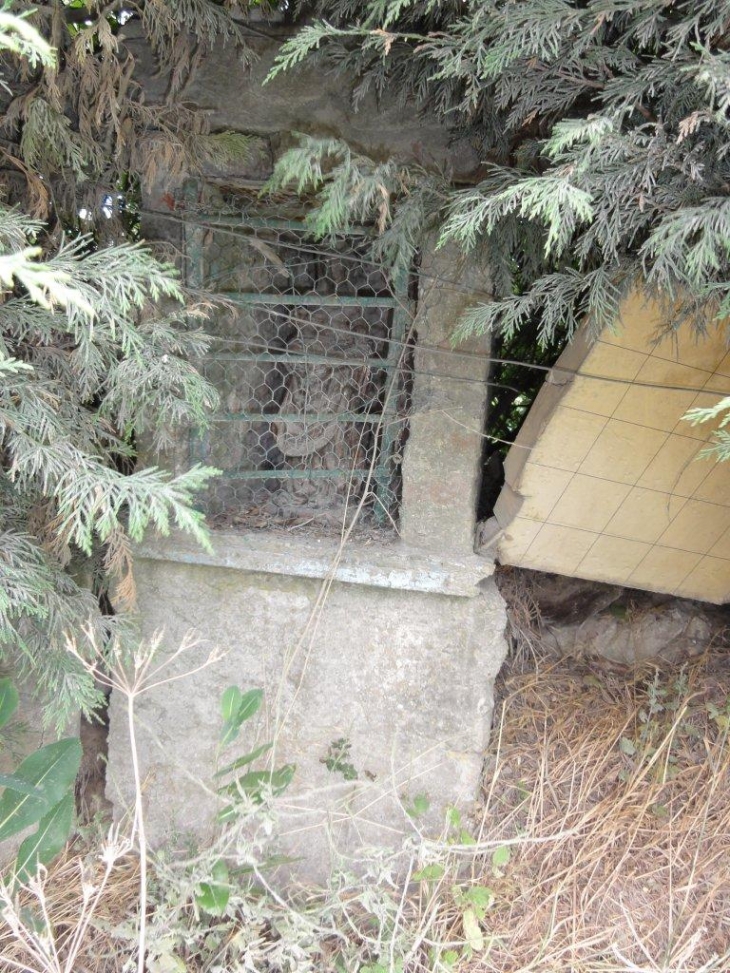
(250, 703)
(627, 746)
(255, 782)
(230, 701)
(229, 733)
(500, 858)
(15, 784)
(430, 873)
(53, 770)
(453, 816)
(42, 847)
(8, 701)
(237, 707)
(479, 897)
(247, 758)
(213, 896)
(419, 807)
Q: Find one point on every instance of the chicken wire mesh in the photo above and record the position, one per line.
(310, 359)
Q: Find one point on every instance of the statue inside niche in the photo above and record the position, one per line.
(323, 394)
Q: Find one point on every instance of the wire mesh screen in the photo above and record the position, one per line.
(308, 358)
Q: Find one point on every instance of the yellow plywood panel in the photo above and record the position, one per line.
(558, 549)
(652, 402)
(721, 548)
(588, 503)
(612, 559)
(608, 361)
(715, 488)
(703, 430)
(567, 438)
(622, 451)
(718, 383)
(541, 487)
(645, 515)
(708, 581)
(724, 367)
(606, 376)
(663, 569)
(516, 540)
(696, 527)
(675, 468)
(700, 351)
(639, 324)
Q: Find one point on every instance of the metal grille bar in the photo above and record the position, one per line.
(308, 360)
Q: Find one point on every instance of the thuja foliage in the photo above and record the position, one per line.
(602, 132)
(81, 129)
(95, 346)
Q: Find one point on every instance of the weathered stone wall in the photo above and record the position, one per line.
(400, 672)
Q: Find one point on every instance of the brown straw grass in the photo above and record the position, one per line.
(69, 881)
(616, 786)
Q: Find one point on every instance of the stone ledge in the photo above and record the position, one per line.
(397, 565)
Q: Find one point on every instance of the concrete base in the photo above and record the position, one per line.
(402, 678)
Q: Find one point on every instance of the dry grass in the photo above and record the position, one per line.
(623, 861)
(69, 883)
(620, 851)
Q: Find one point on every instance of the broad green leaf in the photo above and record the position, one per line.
(453, 816)
(229, 733)
(166, 962)
(8, 700)
(250, 703)
(245, 759)
(230, 701)
(236, 708)
(254, 782)
(53, 770)
(500, 858)
(15, 784)
(430, 873)
(42, 847)
(213, 896)
(479, 897)
(472, 931)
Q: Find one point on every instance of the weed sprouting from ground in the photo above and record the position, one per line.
(602, 844)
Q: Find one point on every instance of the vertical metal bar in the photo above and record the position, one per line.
(385, 508)
(194, 277)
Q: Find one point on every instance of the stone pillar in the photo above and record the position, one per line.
(441, 465)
